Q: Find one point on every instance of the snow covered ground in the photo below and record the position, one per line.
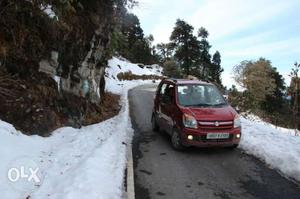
(72, 163)
(277, 147)
(89, 162)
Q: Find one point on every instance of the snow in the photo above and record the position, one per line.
(279, 148)
(73, 163)
(252, 117)
(90, 162)
(48, 10)
(118, 65)
(125, 66)
(57, 79)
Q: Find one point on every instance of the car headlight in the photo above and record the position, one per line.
(237, 121)
(189, 121)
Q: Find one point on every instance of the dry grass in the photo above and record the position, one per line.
(129, 76)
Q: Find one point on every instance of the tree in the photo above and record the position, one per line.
(165, 51)
(216, 69)
(295, 91)
(171, 69)
(205, 57)
(187, 46)
(203, 33)
(274, 102)
(131, 41)
(256, 78)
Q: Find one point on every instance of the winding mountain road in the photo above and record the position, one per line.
(161, 172)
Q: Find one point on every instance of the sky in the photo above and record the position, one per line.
(238, 29)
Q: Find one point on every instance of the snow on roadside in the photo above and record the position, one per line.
(74, 163)
(278, 149)
(257, 119)
(118, 65)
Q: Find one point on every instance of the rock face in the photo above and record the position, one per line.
(86, 79)
(52, 65)
(71, 43)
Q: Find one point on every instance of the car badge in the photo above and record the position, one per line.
(217, 123)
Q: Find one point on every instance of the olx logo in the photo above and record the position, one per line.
(30, 174)
(24, 175)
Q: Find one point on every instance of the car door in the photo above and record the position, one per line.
(161, 105)
(167, 108)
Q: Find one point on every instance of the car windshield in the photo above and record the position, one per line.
(199, 95)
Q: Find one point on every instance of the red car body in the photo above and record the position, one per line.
(216, 126)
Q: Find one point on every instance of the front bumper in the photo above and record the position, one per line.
(199, 138)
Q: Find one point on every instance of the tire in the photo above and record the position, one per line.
(155, 126)
(176, 141)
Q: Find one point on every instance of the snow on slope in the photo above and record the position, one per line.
(278, 148)
(73, 163)
(118, 65)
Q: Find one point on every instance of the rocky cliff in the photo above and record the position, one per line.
(53, 56)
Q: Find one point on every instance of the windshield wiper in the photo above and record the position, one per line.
(205, 105)
(202, 104)
(221, 104)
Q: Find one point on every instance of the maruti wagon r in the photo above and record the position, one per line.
(195, 113)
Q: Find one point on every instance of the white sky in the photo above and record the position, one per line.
(239, 29)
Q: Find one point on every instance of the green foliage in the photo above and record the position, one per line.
(203, 33)
(256, 77)
(275, 101)
(28, 34)
(165, 51)
(131, 43)
(171, 69)
(187, 46)
(264, 86)
(216, 69)
(193, 54)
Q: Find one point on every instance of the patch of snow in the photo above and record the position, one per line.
(125, 66)
(57, 80)
(255, 118)
(118, 65)
(74, 163)
(48, 10)
(277, 148)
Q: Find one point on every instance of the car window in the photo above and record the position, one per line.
(199, 95)
(163, 89)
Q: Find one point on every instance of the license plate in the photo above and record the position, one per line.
(217, 136)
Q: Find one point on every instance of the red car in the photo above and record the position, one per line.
(195, 113)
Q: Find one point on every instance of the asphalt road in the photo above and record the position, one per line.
(161, 172)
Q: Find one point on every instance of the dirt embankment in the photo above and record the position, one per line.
(36, 106)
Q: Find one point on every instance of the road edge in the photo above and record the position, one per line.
(130, 175)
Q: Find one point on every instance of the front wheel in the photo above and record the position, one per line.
(176, 140)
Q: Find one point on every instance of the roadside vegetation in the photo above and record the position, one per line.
(264, 93)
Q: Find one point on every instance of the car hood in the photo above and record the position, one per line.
(212, 114)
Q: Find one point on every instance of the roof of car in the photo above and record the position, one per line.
(186, 81)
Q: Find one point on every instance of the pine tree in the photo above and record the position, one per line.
(216, 69)
(187, 46)
(132, 43)
(165, 51)
(205, 57)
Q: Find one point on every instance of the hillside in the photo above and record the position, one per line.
(75, 163)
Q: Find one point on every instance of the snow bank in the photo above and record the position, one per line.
(118, 65)
(73, 163)
(251, 117)
(279, 148)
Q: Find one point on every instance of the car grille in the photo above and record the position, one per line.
(202, 138)
(215, 125)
